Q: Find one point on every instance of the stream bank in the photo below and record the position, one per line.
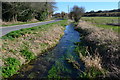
(54, 64)
(20, 47)
(102, 48)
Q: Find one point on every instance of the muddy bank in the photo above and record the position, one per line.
(106, 42)
(20, 47)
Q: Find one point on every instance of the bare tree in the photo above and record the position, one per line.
(76, 13)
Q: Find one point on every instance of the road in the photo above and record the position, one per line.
(5, 30)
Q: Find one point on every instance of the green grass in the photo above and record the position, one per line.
(114, 28)
(12, 65)
(28, 54)
(16, 34)
(24, 48)
(102, 21)
(91, 73)
(19, 23)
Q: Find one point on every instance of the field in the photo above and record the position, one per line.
(103, 21)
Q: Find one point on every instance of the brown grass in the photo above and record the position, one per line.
(36, 43)
(92, 61)
(108, 44)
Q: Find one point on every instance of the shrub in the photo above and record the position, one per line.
(41, 16)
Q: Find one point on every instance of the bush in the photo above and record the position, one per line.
(41, 16)
(26, 16)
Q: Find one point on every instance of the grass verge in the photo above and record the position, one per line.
(18, 23)
(25, 44)
(7, 24)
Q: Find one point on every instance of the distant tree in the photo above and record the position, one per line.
(63, 15)
(92, 11)
(57, 15)
(99, 11)
(105, 13)
(77, 13)
(71, 15)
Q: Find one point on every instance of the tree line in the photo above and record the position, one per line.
(26, 11)
(106, 13)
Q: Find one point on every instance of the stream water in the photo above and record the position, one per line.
(53, 62)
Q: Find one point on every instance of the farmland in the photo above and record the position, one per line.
(103, 21)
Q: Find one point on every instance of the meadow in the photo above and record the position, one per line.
(103, 21)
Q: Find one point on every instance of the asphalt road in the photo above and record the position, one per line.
(5, 30)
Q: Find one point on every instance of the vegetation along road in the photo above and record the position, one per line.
(6, 30)
(40, 42)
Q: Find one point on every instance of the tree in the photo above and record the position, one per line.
(71, 15)
(77, 13)
(25, 11)
(63, 15)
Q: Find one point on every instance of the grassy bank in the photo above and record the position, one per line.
(103, 21)
(19, 47)
(100, 51)
(7, 24)
(93, 67)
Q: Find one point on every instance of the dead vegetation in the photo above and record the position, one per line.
(91, 61)
(37, 42)
(107, 42)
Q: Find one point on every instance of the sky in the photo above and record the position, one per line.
(63, 6)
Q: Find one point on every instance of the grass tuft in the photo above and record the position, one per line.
(12, 65)
(28, 54)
